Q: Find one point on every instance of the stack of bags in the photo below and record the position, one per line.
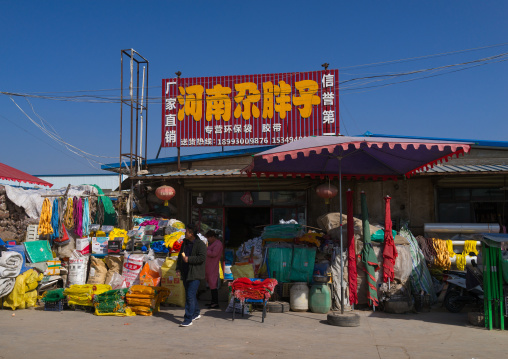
(112, 302)
(82, 294)
(145, 300)
(24, 293)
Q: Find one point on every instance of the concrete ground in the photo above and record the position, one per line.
(33, 333)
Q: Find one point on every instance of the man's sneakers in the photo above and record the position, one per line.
(189, 324)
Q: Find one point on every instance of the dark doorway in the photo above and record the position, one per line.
(241, 224)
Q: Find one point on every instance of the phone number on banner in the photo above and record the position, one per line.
(236, 141)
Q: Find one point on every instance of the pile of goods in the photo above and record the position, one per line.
(93, 265)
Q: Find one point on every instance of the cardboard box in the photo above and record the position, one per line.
(83, 245)
(100, 246)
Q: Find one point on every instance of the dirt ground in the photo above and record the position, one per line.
(34, 333)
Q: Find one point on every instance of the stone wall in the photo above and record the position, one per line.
(13, 219)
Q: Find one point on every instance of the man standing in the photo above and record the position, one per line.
(214, 252)
(191, 266)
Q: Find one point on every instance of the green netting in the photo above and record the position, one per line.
(279, 263)
(302, 265)
(54, 295)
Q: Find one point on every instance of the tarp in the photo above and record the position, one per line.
(12, 174)
(31, 199)
(370, 263)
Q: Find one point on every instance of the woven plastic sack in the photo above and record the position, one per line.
(98, 270)
(77, 271)
(279, 263)
(302, 264)
(132, 265)
(173, 283)
(83, 294)
(242, 271)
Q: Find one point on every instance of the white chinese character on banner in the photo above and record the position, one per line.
(247, 128)
(208, 141)
(237, 128)
(192, 141)
(170, 104)
(200, 142)
(183, 142)
(266, 127)
(328, 116)
(228, 128)
(170, 120)
(170, 136)
(209, 129)
(218, 129)
(327, 81)
(328, 98)
(168, 84)
(277, 127)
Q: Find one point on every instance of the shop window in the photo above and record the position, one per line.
(454, 213)
(289, 198)
(208, 219)
(208, 198)
(240, 199)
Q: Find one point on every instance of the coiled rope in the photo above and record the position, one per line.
(68, 219)
(54, 221)
(45, 219)
(86, 218)
(78, 216)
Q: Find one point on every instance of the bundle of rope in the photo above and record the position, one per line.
(470, 246)
(449, 245)
(55, 221)
(442, 256)
(109, 209)
(45, 219)
(461, 261)
(99, 215)
(78, 216)
(428, 250)
(86, 218)
(68, 219)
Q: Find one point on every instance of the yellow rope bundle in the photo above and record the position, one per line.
(469, 246)
(45, 220)
(442, 256)
(68, 218)
(449, 245)
(461, 261)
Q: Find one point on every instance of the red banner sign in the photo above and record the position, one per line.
(267, 109)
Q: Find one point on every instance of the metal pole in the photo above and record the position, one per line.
(146, 119)
(121, 116)
(340, 236)
(179, 166)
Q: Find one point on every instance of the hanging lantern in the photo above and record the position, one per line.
(326, 191)
(165, 193)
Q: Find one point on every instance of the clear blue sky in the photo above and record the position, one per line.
(52, 46)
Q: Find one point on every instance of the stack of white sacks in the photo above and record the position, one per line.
(10, 266)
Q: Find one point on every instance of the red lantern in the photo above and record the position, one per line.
(165, 193)
(327, 191)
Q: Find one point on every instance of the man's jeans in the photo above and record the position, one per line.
(191, 302)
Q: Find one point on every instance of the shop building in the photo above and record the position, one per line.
(212, 189)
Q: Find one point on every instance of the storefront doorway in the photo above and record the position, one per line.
(244, 223)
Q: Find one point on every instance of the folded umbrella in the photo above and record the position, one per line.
(369, 259)
(389, 250)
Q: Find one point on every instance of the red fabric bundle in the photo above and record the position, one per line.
(177, 246)
(244, 288)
